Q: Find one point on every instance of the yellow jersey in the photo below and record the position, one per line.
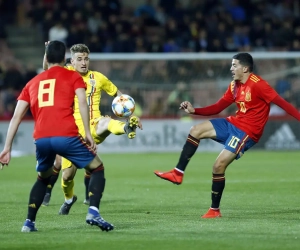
(95, 83)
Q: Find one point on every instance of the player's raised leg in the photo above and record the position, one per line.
(197, 132)
(52, 181)
(117, 127)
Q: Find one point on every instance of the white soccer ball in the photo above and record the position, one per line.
(123, 105)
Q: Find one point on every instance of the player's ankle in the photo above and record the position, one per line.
(69, 201)
(178, 172)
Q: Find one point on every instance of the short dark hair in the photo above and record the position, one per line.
(68, 61)
(245, 59)
(55, 52)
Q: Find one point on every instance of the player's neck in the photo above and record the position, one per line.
(50, 65)
(82, 74)
(245, 78)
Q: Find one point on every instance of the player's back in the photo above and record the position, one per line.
(51, 96)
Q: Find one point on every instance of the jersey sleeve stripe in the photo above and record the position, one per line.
(254, 78)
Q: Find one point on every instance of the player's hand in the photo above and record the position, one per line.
(4, 158)
(89, 139)
(46, 43)
(187, 107)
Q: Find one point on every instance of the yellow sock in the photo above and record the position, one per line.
(116, 127)
(67, 187)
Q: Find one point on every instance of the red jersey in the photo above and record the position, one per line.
(253, 101)
(51, 99)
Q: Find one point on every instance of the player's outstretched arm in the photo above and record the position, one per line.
(19, 113)
(287, 107)
(206, 111)
(84, 112)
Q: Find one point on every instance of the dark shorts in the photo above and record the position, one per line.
(234, 139)
(73, 148)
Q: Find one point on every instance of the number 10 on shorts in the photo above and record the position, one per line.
(233, 142)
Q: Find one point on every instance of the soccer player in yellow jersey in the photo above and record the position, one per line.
(101, 126)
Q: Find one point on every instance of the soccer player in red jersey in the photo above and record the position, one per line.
(253, 96)
(50, 97)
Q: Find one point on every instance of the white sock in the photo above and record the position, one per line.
(69, 201)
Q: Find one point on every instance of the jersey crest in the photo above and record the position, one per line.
(248, 96)
(92, 79)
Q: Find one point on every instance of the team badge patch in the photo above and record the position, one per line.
(92, 79)
(248, 96)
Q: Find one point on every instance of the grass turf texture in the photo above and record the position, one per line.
(260, 206)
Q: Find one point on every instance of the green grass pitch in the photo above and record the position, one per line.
(260, 206)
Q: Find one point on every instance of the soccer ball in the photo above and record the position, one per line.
(123, 106)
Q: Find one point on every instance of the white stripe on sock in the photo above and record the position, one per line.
(94, 208)
(179, 170)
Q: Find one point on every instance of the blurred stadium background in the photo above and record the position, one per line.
(160, 52)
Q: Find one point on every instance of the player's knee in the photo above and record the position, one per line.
(94, 164)
(57, 165)
(57, 162)
(196, 131)
(103, 124)
(45, 174)
(203, 130)
(68, 175)
(219, 167)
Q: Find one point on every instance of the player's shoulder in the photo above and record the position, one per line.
(64, 69)
(35, 79)
(69, 67)
(258, 82)
(255, 78)
(71, 74)
(39, 77)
